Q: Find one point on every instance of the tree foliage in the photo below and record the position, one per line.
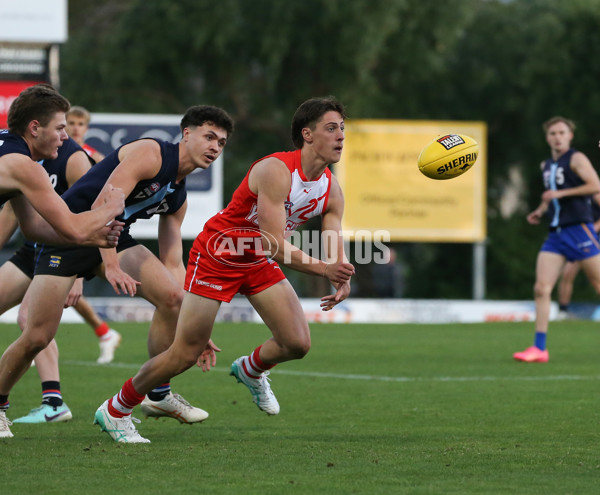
(512, 64)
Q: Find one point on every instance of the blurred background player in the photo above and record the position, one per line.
(571, 269)
(78, 123)
(570, 181)
(16, 275)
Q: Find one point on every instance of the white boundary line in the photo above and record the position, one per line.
(400, 379)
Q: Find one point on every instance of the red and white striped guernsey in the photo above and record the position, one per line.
(306, 199)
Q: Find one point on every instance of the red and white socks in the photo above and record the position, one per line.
(122, 404)
(253, 366)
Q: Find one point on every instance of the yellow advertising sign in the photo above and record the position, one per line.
(385, 191)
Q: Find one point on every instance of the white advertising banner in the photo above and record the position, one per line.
(33, 21)
(393, 311)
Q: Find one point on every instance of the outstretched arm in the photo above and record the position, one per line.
(38, 194)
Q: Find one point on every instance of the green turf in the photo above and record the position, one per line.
(373, 409)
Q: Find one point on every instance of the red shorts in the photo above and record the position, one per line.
(209, 278)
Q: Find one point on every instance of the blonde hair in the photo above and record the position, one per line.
(554, 120)
(77, 111)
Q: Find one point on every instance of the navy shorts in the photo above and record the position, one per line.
(574, 242)
(24, 259)
(68, 261)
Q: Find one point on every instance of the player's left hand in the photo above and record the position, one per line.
(75, 293)
(342, 292)
(208, 357)
(121, 281)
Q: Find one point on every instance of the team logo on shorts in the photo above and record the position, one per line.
(242, 246)
(54, 261)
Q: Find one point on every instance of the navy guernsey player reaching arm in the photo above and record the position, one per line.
(36, 121)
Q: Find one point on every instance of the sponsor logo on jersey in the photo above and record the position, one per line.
(288, 207)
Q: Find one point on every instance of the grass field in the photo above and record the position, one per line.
(373, 409)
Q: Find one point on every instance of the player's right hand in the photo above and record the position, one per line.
(534, 217)
(106, 237)
(339, 272)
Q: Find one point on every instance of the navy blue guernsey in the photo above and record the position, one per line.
(572, 209)
(57, 168)
(12, 143)
(159, 195)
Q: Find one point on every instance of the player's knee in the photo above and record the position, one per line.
(299, 348)
(172, 299)
(183, 358)
(36, 343)
(542, 290)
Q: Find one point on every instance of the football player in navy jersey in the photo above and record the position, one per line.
(36, 121)
(152, 175)
(16, 274)
(570, 181)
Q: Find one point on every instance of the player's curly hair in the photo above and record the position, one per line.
(40, 102)
(201, 114)
(309, 113)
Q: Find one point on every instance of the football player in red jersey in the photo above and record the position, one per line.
(238, 252)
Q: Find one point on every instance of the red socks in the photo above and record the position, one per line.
(253, 366)
(123, 403)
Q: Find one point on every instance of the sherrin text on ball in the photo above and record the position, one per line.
(448, 156)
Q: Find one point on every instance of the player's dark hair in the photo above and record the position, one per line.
(201, 114)
(39, 102)
(310, 112)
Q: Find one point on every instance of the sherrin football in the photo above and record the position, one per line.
(448, 156)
